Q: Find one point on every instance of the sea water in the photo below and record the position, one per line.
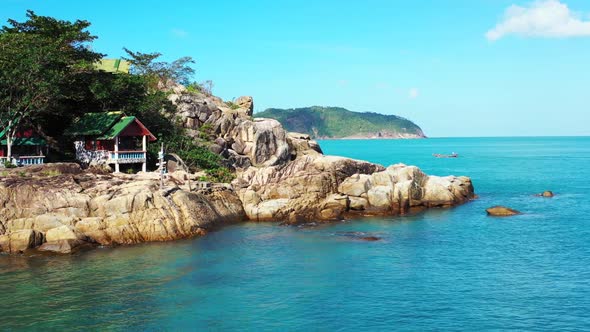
(443, 269)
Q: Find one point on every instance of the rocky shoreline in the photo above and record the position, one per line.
(280, 176)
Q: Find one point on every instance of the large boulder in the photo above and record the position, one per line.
(246, 103)
(501, 211)
(264, 140)
(20, 240)
(302, 144)
(63, 246)
(317, 187)
(547, 194)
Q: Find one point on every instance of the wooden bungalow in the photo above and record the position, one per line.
(27, 148)
(110, 137)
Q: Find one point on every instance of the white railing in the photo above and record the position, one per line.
(24, 160)
(127, 157)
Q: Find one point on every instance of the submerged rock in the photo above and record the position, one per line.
(501, 211)
(359, 236)
(370, 238)
(547, 194)
(63, 246)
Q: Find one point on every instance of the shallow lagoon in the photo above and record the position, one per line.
(440, 269)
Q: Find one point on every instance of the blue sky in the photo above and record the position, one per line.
(456, 67)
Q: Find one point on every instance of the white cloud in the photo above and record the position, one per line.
(179, 33)
(413, 93)
(543, 18)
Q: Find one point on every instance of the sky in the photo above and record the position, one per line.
(456, 67)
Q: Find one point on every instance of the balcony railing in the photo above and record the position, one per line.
(127, 157)
(24, 160)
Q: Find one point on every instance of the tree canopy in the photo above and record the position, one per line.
(145, 64)
(48, 77)
(39, 60)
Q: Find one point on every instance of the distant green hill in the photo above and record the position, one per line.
(337, 122)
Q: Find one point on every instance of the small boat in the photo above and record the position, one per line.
(452, 155)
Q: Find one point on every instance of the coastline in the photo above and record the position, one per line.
(279, 176)
(361, 138)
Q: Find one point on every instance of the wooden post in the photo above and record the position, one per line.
(116, 154)
(144, 146)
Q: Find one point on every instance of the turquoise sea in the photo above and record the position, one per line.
(444, 269)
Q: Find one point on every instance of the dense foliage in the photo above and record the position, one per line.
(196, 156)
(336, 122)
(48, 78)
(42, 60)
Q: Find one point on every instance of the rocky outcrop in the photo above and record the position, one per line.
(317, 187)
(247, 103)
(238, 138)
(60, 213)
(301, 190)
(501, 211)
(280, 176)
(284, 176)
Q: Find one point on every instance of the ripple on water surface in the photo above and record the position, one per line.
(442, 269)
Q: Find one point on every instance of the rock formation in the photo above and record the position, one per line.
(280, 176)
(317, 187)
(285, 176)
(62, 212)
(501, 211)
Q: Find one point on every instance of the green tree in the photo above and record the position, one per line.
(39, 59)
(161, 72)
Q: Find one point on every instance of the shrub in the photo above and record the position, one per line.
(220, 174)
(8, 164)
(194, 88)
(195, 155)
(205, 131)
(204, 88)
(51, 173)
(232, 105)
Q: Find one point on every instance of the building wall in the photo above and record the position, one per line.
(90, 156)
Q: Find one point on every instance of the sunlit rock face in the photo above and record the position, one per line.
(285, 176)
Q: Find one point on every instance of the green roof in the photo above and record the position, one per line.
(104, 125)
(113, 65)
(25, 141)
(21, 140)
(118, 127)
(94, 124)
